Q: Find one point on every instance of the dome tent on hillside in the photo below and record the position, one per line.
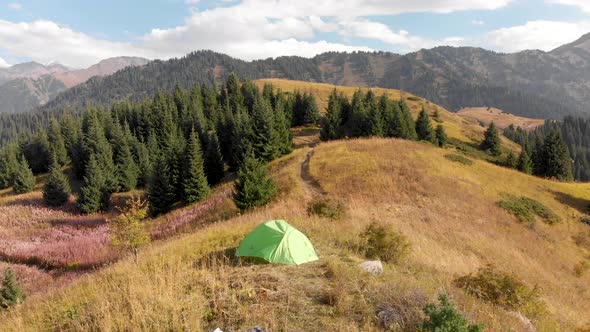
(277, 242)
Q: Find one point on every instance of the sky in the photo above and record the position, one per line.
(81, 33)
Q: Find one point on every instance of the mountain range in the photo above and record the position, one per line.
(530, 83)
(28, 85)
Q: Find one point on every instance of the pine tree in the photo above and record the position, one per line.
(56, 142)
(10, 293)
(144, 164)
(556, 160)
(23, 181)
(525, 164)
(424, 128)
(311, 112)
(214, 166)
(254, 186)
(511, 160)
(441, 136)
(195, 184)
(408, 127)
(9, 165)
(332, 120)
(161, 192)
(37, 152)
(491, 142)
(94, 193)
(284, 138)
(265, 139)
(56, 190)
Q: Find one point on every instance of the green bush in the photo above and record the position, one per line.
(379, 242)
(525, 209)
(503, 290)
(10, 292)
(444, 317)
(327, 208)
(459, 158)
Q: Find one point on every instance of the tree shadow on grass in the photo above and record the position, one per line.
(226, 257)
(580, 204)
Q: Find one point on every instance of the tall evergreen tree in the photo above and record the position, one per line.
(194, 180)
(94, 194)
(332, 120)
(161, 192)
(511, 160)
(491, 142)
(37, 152)
(56, 142)
(9, 165)
(265, 139)
(556, 159)
(282, 128)
(23, 181)
(144, 164)
(525, 164)
(213, 161)
(10, 291)
(56, 190)
(254, 186)
(424, 128)
(441, 136)
(409, 127)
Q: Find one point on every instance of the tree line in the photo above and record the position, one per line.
(176, 145)
(558, 149)
(365, 115)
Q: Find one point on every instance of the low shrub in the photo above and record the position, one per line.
(525, 209)
(379, 242)
(459, 159)
(444, 317)
(581, 268)
(503, 290)
(327, 208)
(413, 98)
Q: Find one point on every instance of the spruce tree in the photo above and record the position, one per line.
(195, 186)
(311, 112)
(56, 190)
(213, 161)
(525, 164)
(284, 139)
(511, 160)
(409, 127)
(94, 193)
(9, 165)
(144, 164)
(10, 293)
(424, 128)
(332, 120)
(161, 192)
(441, 136)
(265, 139)
(24, 180)
(254, 187)
(56, 142)
(556, 160)
(491, 142)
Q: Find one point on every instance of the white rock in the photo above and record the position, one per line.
(373, 267)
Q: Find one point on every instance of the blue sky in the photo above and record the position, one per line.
(80, 33)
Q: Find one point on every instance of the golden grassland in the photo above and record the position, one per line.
(486, 115)
(447, 211)
(457, 127)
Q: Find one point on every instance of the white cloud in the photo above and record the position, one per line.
(478, 22)
(3, 63)
(541, 35)
(191, 2)
(250, 29)
(583, 4)
(15, 6)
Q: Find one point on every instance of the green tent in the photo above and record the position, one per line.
(278, 242)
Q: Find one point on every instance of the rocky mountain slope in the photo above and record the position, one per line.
(26, 86)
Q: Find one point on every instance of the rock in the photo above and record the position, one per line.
(257, 328)
(373, 267)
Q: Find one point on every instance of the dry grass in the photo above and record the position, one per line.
(486, 115)
(447, 211)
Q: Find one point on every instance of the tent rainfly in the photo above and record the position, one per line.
(278, 242)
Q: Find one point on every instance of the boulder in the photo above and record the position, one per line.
(373, 267)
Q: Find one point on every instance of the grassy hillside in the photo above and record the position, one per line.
(447, 210)
(486, 115)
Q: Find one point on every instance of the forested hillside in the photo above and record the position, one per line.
(530, 83)
(575, 132)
